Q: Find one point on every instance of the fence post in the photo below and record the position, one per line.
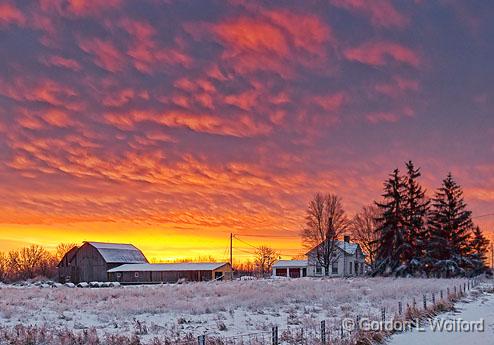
(455, 291)
(323, 332)
(400, 310)
(274, 335)
(201, 339)
(425, 301)
(441, 294)
(448, 294)
(341, 330)
(383, 314)
(433, 299)
(414, 303)
(464, 287)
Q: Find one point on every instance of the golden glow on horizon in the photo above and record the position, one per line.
(157, 244)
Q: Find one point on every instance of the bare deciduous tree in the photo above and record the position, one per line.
(326, 221)
(3, 267)
(364, 231)
(62, 249)
(29, 262)
(265, 258)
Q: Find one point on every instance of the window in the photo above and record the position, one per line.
(334, 268)
(318, 269)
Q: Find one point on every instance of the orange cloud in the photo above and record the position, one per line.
(254, 35)
(269, 41)
(378, 53)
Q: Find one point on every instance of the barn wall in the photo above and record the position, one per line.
(160, 276)
(89, 264)
(225, 270)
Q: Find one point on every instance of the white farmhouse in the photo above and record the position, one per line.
(349, 261)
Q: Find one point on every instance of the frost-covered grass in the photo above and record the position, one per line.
(216, 308)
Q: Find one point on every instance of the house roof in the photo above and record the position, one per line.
(199, 266)
(291, 263)
(119, 253)
(348, 247)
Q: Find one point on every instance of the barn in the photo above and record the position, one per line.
(92, 260)
(170, 273)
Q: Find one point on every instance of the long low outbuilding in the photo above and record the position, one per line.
(170, 273)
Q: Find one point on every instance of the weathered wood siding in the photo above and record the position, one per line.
(134, 277)
(89, 265)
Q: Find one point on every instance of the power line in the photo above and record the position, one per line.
(269, 236)
(484, 215)
(250, 245)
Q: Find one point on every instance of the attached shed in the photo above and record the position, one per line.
(91, 261)
(170, 273)
(290, 268)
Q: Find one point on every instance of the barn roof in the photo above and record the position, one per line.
(291, 263)
(68, 256)
(119, 253)
(199, 266)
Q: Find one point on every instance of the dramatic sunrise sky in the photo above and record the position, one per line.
(169, 124)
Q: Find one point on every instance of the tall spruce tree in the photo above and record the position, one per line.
(392, 226)
(450, 225)
(415, 212)
(479, 245)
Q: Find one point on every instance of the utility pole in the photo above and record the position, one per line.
(231, 250)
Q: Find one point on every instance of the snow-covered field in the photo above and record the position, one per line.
(222, 309)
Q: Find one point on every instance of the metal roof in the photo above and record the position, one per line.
(291, 263)
(199, 266)
(119, 253)
(347, 247)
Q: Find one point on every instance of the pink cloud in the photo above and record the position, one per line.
(91, 7)
(60, 61)
(9, 14)
(381, 13)
(378, 54)
(106, 55)
(397, 86)
(382, 117)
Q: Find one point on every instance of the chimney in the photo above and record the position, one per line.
(346, 238)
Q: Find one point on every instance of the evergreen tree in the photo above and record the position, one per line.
(391, 230)
(415, 213)
(479, 245)
(451, 224)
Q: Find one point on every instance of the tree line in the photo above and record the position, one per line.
(406, 233)
(31, 262)
(418, 235)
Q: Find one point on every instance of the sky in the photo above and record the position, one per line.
(171, 124)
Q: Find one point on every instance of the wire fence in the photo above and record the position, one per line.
(344, 330)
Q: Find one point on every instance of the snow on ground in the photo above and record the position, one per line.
(481, 308)
(213, 308)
